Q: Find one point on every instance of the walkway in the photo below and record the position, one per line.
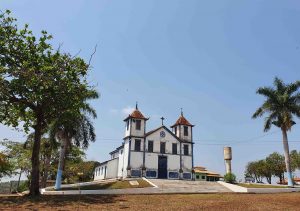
(163, 186)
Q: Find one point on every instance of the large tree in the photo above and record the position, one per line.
(282, 104)
(276, 162)
(37, 84)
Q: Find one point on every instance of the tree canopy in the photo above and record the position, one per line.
(281, 105)
(37, 84)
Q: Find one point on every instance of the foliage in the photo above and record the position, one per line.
(80, 172)
(6, 168)
(272, 165)
(230, 178)
(37, 84)
(277, 164)
(18, 155)
(24, 186)
(295, 160)
(282, 104)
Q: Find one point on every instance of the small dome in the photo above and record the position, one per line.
(136, 114)
(182, 121)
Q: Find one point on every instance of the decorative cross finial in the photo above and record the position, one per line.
(136, 105)
(181, 112)
(162, 120)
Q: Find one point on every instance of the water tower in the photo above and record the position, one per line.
(228, 158)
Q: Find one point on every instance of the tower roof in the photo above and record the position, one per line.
(182, 121)
(136, 114)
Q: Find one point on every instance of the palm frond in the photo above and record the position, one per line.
(279, 84)
(267, 92)
(292, 87)
(258, 113)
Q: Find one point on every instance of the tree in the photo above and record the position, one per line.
(276, 163)
(78, 129)
(255, 169)
(6, 169)
(48, 152)
(37, 84)
(295, 160)
(282, 104)
(18, 156)
(230, 178)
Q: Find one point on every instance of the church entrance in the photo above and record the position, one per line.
(162, 167)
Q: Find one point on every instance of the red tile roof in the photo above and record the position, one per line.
(182, 121)
(136, 114)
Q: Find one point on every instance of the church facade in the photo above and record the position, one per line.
(160, 153)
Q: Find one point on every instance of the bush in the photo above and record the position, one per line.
(24, 185)
(230, 178)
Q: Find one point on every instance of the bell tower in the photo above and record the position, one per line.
(135, 124)
(183, 129)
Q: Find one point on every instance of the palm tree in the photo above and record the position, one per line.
(282, 104)
(73, 128)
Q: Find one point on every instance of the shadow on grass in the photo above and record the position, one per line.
(28, 202)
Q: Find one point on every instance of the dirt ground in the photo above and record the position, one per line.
(284, 201)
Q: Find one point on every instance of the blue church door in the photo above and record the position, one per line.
(162, 167)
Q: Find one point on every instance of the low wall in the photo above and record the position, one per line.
(239, 189)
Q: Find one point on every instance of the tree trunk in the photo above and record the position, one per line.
(61, 164)
(35, 160)
(287, 158)
(46, 170)
(19, 179)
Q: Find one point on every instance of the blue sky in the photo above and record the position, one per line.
(208, 57)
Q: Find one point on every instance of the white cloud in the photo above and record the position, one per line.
(127, 110)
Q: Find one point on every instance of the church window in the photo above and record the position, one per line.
(137, 145)
(174, 149)
(162, 147)
(175, 131)
(150, 146)
(127, 125)
(138, 124)
(186, 149)
(185, 131)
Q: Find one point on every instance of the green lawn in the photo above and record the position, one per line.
(260, 186)
(112, 185)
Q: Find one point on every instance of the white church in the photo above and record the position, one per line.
(161, 153)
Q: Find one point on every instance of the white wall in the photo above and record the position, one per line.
(127, 130)
(140, 132)
(180, 129)
(151, 160)
(136, 160)
(99, 172)
(168, 139)
(187, 163)
(112, 168)
(126, 152)
(121, 163)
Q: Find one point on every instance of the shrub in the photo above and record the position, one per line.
(230, 178)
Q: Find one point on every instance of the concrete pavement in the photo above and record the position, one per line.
(162, 187)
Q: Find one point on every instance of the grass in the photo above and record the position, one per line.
(282, 201)
(112, 185)
(260, 186)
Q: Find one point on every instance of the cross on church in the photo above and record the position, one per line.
(162, 120)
